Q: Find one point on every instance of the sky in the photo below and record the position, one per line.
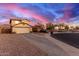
(40, 12)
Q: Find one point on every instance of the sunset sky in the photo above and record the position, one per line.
(40, 12)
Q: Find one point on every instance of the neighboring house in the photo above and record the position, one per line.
(20, 26)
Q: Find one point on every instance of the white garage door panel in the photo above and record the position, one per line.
(21, 30)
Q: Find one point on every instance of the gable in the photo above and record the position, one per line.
(22, 25)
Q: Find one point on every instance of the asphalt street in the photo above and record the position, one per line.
(69, 38)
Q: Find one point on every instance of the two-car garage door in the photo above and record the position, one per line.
(21, 30)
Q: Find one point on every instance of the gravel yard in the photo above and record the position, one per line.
(16, 45)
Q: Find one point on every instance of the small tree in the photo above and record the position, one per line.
(67, 27)
(77, 27)
(50, 28)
